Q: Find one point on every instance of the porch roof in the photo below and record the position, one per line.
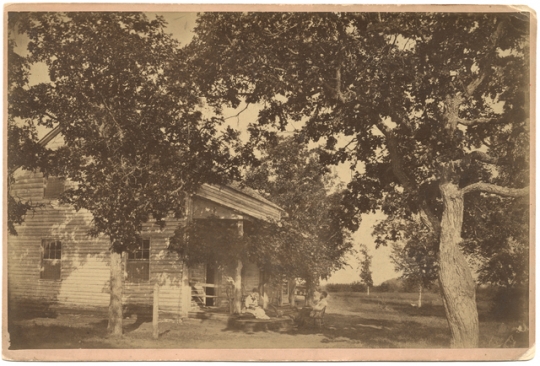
(242, 199)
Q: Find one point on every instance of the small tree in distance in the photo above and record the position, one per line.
(365, 267)
(414, 250)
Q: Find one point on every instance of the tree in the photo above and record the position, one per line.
(425, 116)
(24, 150)
(365, 267)
(316, 232)
(413, 251)
(134, 140)
(501, 255)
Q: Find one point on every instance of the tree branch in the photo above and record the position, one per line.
(237, 114)
(483, 157)
(395, 157)
(475, 122)
(473, 85)
(495, 189)
(428, 216)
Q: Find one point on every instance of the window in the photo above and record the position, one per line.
(138, 263)
(51, 259)
(53, 188)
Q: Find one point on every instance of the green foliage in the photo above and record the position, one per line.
(313, 238)
(414, 250)
(345, 287)
(375, 76)
(501, 255)
(122, 96)
(22, 142)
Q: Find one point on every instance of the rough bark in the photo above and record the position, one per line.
(495, 189)
(116, 290)
(457, 284)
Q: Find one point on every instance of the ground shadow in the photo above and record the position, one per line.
(426, 310)
(140, 320)
(141, 314)
(366, 332)
(41, 336)
(377, 333)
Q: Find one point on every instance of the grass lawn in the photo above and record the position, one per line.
(353, 320)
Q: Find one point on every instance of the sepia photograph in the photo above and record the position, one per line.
(331, 183)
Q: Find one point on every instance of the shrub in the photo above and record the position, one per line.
(511, 304)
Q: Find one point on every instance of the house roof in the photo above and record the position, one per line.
(235, 196)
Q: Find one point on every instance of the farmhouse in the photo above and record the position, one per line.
(53, 263)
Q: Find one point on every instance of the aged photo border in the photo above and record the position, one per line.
(282, 354)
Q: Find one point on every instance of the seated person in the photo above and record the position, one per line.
(321, 304)
(309, 312)
(252, 305)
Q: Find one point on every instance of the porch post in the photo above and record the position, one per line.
(237, 306)
(185, 294)
(292, 291)
(262, 289)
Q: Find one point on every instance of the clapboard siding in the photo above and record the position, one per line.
(84, 276)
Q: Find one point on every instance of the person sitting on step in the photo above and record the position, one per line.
(252, 305)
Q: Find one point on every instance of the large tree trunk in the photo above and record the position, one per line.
(457, 284)
(237, 300)
(116, 289)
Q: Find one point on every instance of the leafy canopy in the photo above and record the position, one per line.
(406, 102)
(122, 95)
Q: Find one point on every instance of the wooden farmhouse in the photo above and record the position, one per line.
(54, 264)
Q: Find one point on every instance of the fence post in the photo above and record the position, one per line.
(155, 314)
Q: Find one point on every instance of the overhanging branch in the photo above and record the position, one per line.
(475, 122)
(496, 189)
(396, 162)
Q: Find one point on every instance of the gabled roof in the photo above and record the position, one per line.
(234, 196)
